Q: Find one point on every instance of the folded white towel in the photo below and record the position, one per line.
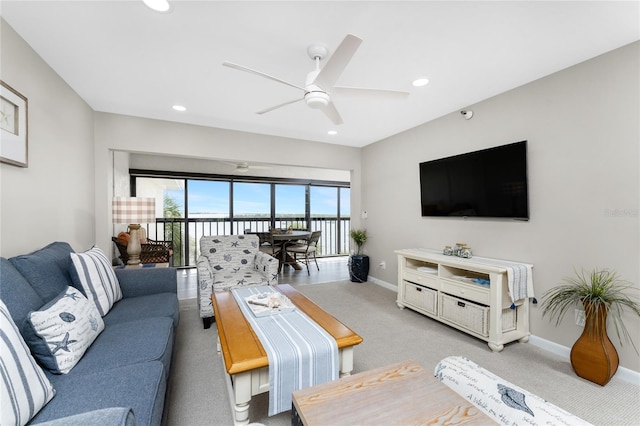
(428, 269)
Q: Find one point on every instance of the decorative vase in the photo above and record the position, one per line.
(359, 268)
(593, 356)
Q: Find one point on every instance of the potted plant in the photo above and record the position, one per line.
(603, 295)
(358, 263)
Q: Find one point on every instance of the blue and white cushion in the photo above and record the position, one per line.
(24, 389)
(97, 278)
(62, 330)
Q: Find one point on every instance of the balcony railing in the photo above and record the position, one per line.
(186, 233)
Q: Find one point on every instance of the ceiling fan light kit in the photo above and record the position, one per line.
(316, 99)
(321, 80)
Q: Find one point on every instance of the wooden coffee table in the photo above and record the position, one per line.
(398, 394)
(244, 357)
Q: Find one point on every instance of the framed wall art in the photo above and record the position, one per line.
(13, 126)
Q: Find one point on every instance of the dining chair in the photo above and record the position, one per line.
(308, 249)
(267, 245)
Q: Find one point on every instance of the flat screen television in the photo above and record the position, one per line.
(491, 183)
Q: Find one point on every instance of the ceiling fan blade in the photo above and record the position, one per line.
(279, 106)
(338, 62)
(261, 74)
(333, 114)
(368, 93)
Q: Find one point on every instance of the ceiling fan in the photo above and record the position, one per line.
(244, 167)
(319, 84)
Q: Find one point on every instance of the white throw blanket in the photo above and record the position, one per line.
(519, 278)
(300, 352)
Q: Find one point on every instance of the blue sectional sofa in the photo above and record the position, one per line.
(122, 377)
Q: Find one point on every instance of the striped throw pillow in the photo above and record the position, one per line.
(97, 278)
(24, 389)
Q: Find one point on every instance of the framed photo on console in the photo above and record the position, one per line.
(13, 126)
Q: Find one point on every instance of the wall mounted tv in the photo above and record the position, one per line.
(491, 183)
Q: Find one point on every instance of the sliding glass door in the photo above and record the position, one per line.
(251, 207)
(193, 208)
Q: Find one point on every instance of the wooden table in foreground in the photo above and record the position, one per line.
(244, 357)
(398, 394)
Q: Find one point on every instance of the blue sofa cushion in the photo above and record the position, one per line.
(16, 293)
(47, 269)
(140, 387)
(133, 342)
(153, 305)
(61, 331)
(143, 281)
(116, 416)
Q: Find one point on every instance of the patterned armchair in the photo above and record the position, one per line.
(231, 261)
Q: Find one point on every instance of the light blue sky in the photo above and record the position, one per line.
(249, 198)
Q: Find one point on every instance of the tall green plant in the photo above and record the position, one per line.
(359, 236)
(593, 290)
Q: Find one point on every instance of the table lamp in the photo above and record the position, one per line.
(134, 211)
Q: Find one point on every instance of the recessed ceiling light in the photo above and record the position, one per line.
(332, 132)
(422, 81)
(179, 108)
(158, 5)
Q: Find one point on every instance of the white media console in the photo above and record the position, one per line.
(471, 295)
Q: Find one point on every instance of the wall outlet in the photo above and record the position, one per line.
(580, 317)
(383, 265)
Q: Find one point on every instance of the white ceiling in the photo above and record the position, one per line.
(124, 58)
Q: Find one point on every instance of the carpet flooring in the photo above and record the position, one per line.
(198, 395)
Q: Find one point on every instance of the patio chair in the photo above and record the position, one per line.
(267, 245)
(307, 249)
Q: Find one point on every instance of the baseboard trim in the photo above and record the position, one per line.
(384, 284)
(623, 373)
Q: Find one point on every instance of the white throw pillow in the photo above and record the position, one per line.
(97, 278)
(64, 329)
(24, 389)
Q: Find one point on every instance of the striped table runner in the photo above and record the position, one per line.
(300, 352)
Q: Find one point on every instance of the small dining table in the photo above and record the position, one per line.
(288, 238)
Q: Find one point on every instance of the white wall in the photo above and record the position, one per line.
(219, 166)
(52, 199)
(137, 135)
(583, 128)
